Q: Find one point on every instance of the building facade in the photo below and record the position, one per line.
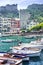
(6, 25)
(9, 25)
(15, 25)
(1, 25)
(31, 23)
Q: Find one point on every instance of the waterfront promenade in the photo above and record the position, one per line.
(33, 33)
(24, 34)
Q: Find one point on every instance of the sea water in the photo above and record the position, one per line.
(4, 47)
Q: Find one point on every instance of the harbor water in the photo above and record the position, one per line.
(4, 47)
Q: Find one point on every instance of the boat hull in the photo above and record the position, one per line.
(34, 54)
(37, 46)
(27, 55)
(26, 59)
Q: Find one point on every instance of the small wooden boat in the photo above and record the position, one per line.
(7, 59)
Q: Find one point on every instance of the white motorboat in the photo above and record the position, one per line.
(37, 44)
(25, 51)
(34, 44)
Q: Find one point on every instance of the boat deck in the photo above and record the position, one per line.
(9, 59)
(27, 46)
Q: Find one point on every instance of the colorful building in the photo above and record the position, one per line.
(9, 25)
(15, 25)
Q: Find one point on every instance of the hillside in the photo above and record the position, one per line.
(36, 11)
(9, 11)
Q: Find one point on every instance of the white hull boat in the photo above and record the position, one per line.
(34, 44)
(8, 40)
(25, 51)
(39, 46)
(29, 37)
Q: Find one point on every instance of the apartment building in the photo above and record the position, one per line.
(15, 25)
(31, 23)
(9, 25)
(1, 25)
(6, 25)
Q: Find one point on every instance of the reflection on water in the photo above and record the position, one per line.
(35, 60)
(25, 63)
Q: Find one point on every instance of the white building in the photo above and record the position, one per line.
(30, 24)
(6, 24)
(1, 25)
(9, 25)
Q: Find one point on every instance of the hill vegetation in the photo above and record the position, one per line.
(37, 27)
(9, 11)
(36, 11)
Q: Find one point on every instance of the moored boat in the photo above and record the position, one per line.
(7, 59)
(29, 37)
(34, 44)
(8, 40)
(25, 51)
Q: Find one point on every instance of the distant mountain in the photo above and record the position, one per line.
(36, 11)
(9, 11)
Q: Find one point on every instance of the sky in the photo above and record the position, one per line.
(22, 4)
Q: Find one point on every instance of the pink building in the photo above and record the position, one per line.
(15, 25)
